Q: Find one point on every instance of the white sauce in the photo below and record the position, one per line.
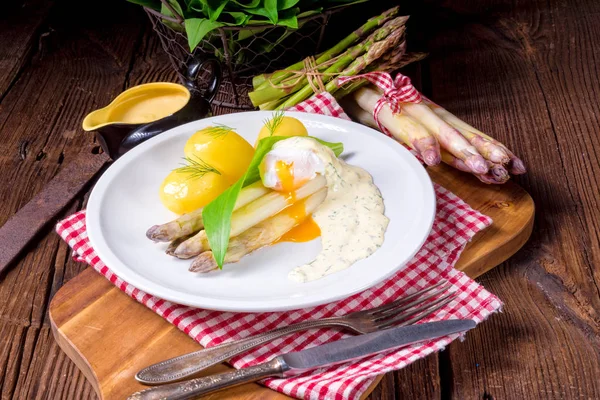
(351, 218)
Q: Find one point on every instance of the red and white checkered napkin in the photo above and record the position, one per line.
(455, 224)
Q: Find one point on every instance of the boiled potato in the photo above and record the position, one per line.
(222, 148)
(183, 192)
(281, 125)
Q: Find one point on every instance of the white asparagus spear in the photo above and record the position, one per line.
(488, 149)
(260, 235)
(403, 127)
(252, 214)
(498, 152)
(192, 222)
(448, 137)
(497, 174)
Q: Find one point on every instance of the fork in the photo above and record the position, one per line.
(400, 312)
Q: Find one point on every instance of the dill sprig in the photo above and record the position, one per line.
(196, 167)
(275, 121)
(218, 130)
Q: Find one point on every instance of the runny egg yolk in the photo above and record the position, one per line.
(285, 173)
(306, 230)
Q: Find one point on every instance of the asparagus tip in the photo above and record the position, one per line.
(154, 234)
(460, 165)
(477, 164)
(517, 166)
(205, 262)
(499, 173)
(486, 178)
(498, 155)
(183, 254)
(431, 157)
(171, 250)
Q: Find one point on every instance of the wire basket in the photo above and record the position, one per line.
(265, 48)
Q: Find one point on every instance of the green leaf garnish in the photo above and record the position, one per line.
(275, 121)
(196, 168)
(217, 214)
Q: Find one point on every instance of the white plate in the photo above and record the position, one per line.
(125, 203)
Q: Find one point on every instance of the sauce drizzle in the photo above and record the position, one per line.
(351, 219)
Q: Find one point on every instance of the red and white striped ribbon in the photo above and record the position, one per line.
(395, 91)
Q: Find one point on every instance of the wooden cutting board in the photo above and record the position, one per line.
(110, 336)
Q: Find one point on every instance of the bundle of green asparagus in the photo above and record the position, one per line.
(256, 222)
(381, 46)
(437, 135)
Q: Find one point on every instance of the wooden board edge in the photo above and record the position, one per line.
(507, 249)
(371, 387)
(71, 351)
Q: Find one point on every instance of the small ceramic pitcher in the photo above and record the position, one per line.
(144, 111)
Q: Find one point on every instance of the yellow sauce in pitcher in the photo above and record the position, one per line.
(149, 106)
(140, 104)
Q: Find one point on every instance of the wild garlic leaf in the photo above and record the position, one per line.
(215, 7)
(197, 28)
(164, 10)
(239, 17)
(285, 4)
(247, 4)
(217, 214)
(271, 11)
(288, 18)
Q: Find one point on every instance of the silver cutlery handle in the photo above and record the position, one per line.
(212, 383)
(187, 365)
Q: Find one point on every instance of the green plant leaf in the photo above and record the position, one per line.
(285, 4)
(267, 10)
(288, 18)
(217, 214)
(336, 147)
(197, 28)
(239, 18)
(175, 5)
(215, 7)
(166, 12)
(311, 12)
(249, 32)
(153, 4)
(247, 4)
(258, 11)
(271, 11)
(198, 6)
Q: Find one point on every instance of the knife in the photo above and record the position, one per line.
(24, 226)
(326, 355)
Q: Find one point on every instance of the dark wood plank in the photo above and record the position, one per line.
(529, 350)
(526, 72)
(20, 24)
(80, 66)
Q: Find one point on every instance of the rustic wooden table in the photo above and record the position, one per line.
(526, 71)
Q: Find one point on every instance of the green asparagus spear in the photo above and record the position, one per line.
(270, 93)
(369, 54)
(260, 80)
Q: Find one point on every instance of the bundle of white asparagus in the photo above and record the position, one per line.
(257, 221)
(437, 135)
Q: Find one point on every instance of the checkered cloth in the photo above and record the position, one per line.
(455, 224)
